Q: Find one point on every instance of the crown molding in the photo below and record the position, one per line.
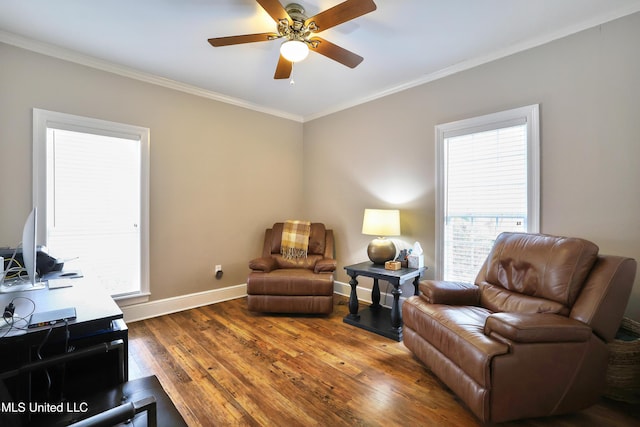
(75, 57)
(89, 61)
(475, 62)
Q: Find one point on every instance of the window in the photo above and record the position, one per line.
(487, 183)
(91, 187)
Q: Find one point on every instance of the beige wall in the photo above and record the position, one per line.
(381, 154)
(215, 184)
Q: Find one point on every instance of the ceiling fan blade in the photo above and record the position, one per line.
(275, 10)
(335, 52)
(247, 38)
(340, 13)
(283, 69)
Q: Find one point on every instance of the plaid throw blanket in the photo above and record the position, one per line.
(295, 239)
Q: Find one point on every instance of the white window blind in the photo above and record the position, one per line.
(91, 186)
(487, 184)
(96, 206)
(486, 195)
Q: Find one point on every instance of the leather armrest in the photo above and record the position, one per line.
(450, 293)
(325, 265)
(264, 264)
(536, 327)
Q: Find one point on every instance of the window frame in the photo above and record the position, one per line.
(44, 119)
(530, 115)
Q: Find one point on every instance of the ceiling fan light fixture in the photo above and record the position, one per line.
(294, 50)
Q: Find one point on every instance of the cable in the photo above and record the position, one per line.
(46, 371)
(64, 365)
(9, 269)
(8, 323)
(67, 335)
(13, 276)
(11, 321)
(43, 342)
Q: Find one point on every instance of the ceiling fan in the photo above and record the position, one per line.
(299, 33)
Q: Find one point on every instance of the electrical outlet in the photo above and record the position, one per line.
(218, 268)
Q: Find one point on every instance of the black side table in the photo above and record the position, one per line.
(376, 318)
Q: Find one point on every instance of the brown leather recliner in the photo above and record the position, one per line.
(529, 338)
(280, 285)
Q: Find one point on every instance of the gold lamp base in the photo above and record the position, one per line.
(381, 250)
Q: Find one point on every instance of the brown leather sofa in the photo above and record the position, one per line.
(529, 338)
(280, 285)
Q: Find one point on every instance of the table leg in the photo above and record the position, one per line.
(396, 314)
(353, 299)
(416, 285)
(375, 296)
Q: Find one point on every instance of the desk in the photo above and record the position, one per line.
(376, 318)
(98, 319)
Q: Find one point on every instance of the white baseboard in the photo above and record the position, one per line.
(364, 294)
(341, 288)
(146, 310)
(150, 309)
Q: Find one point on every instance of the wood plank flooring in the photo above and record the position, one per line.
(225, 366)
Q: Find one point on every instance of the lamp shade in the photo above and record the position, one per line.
(294, 50)
(381, 222)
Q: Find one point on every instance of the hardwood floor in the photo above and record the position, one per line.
(223, 365)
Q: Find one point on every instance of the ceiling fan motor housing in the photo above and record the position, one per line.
(296, 12)
(296, 30)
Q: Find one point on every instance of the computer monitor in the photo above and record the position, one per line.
(31, 282)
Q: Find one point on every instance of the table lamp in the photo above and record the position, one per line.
(381, 223)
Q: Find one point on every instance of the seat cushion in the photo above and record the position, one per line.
(299, 282)
(497, 299)
(309, 262)
(317, 304)
(458, 333)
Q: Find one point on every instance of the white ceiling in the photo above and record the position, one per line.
(403, 42)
